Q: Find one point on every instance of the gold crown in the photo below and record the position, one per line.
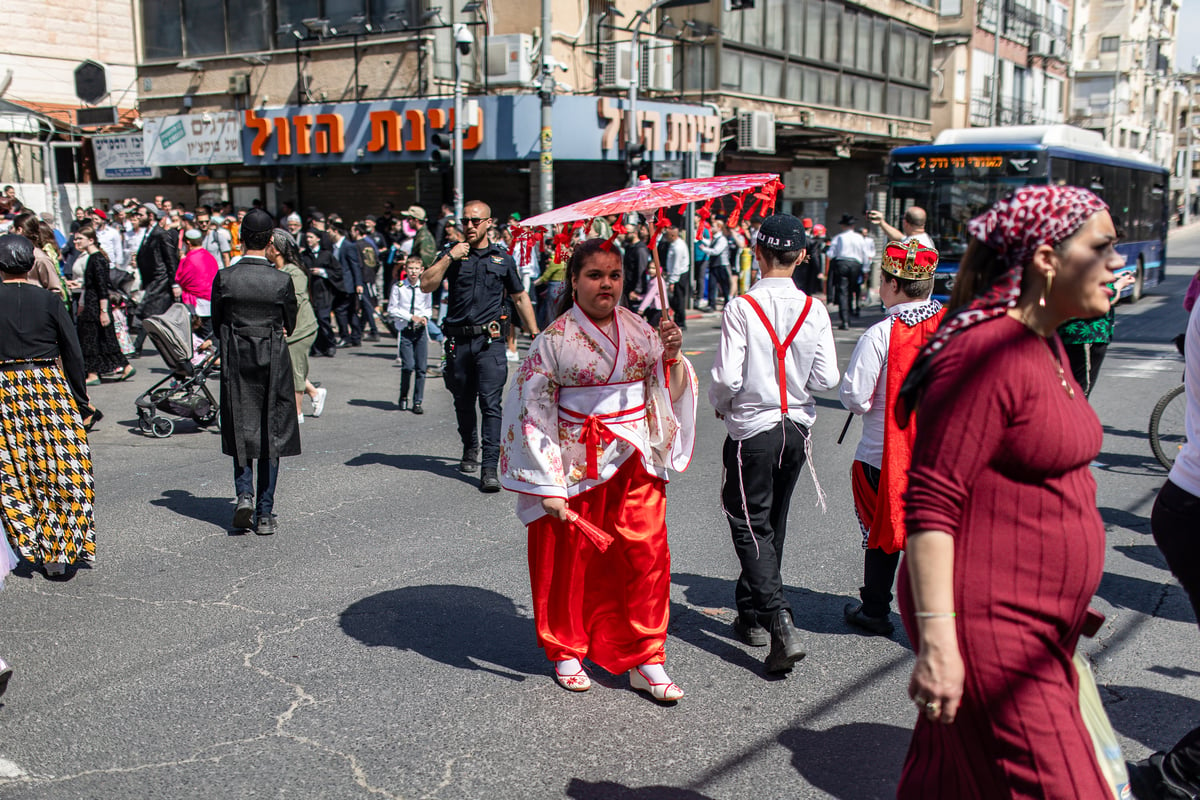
(912, 261)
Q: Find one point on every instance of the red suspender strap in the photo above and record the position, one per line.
(781, 348)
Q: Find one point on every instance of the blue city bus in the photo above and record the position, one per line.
(966, 170)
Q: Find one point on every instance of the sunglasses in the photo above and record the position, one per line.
(473, 221)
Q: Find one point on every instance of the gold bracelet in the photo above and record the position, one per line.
(934, 614)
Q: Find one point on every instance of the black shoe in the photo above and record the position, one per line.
(371, 337)
(880, 626)
(843, 326)
(489, 481)
(5, 674)
(355, 344)
(417, 409)
(403, 403)
(785, 643)
(267, 525)
(340, 343)
(751, 632)
(243, 514)
(470, 460)
(1148, 781)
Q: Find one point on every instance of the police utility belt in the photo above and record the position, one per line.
(493, 330)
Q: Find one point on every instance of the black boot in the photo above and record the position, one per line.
(470, 459)
(785, 643)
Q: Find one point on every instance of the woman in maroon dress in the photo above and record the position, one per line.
(1006, 545)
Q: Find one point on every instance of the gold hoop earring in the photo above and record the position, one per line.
(1046, 291)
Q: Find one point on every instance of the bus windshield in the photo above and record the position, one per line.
(950, 203)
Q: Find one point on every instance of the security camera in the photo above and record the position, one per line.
(463, 38)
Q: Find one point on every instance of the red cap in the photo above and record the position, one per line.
(818, 230)
(99, 214)
(807, 223)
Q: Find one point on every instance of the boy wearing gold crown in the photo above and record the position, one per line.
(872, 381)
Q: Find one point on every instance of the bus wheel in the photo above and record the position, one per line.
(1139, 282)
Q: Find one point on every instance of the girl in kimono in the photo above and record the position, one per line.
(601, 408)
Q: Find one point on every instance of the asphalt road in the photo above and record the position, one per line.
(381, 645)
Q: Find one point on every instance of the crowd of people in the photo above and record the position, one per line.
(973, 461)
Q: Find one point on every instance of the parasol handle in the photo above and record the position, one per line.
(661, 280)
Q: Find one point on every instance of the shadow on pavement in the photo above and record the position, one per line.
(460, 626)
(446, 467)
(1123, 519)
(1153, 718)
(1143, 554)
(379, 405)
(579, 789)
(213, 510)
(1131, 464)
(1153, 598)
(832, 760)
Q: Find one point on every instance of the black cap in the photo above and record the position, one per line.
(257, 221)
(16, 254)
(782, 233)
(847, 219)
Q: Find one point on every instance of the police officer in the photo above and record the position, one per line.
(480, 274)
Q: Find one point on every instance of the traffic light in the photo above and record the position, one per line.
(442, 157)
(635, 157)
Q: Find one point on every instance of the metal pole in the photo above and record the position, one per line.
(996, 65)
(1112, 124)
(458, 133)
(634, 78)
(1187, 166)
(546, 167)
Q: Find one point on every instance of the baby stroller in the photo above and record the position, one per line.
(182, 393)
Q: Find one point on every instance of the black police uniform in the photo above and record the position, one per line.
(476, 366)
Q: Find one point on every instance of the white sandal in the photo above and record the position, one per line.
(666, 692)
(574, 682)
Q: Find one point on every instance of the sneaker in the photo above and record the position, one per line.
(512, 355)
(300, 419)
(243, 515)
(319, 402)
(403, 403)
(267, 525)
(5, 674)
(417, 409)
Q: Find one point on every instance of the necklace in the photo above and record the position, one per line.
(1062, 376)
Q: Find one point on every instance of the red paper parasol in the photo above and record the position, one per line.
(648, 197)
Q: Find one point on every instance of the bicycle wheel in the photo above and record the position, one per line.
(1168, 431)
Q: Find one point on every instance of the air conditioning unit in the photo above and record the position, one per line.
(614, 68)
(509, 59)
(239, 83)
(756, 131)
(1092, 65)
(1041, 44)
(658, 66)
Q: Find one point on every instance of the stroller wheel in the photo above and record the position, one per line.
(204, 420)
(162, 427)
(146, 424)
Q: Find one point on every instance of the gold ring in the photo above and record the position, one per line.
(934, 706)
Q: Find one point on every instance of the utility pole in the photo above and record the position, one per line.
(635, 77)
(995, 99)
(546, 168)
(458, 131)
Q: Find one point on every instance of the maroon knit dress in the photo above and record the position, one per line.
(1001, 464)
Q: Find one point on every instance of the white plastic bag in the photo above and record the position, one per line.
(8, 559)
(1104, 739)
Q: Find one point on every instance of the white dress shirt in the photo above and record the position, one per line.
(745, 386)
(864, 387)
(109, 238)
(719, 249)
(849, 245)
(678, 261)
(408, 301)
(1186, 472)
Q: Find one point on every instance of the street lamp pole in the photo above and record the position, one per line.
(635, 76)
(460, 33)
(546, 167)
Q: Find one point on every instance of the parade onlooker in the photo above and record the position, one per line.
(649, 300)
(218, 241)
(194, 280)
(1176, 773)
(325, 286)
(717, 255)
(102, 356)
(369, 262)
(285, 255)
(601, 408)
(635, 263)
(549, 286)
(410, 308)
(1005, 544)
(1086, 340)
(678, 267)
(347, 302)
(45, 271)
(912, 226)
(480, 274)
(157, 259)
(776, 349)
(847, 254)
(294, 228)
(879, 475)
(46, 501)
(253, 310)
(108, 236)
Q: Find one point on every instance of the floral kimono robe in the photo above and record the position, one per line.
(590, 419)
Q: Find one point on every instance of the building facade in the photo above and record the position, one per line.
(817, 89)
(1124, 84)
(1017, 78)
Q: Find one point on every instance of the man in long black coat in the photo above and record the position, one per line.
(157, 259)
(253, 310)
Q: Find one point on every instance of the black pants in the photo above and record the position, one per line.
(718, 282)
(678, 302)
(322, 300)
(763, 470)
(345, 307)
(1173, 523)
(476, 369)
(844, 273)
(268, 476)
(366, 310)
(879, 568)
(1085, 363)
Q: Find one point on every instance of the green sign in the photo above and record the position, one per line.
(172, 134)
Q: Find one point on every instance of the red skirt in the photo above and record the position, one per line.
(610, 607)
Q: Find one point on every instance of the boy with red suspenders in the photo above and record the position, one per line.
(776, 347)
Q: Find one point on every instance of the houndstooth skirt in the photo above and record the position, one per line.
(46, 489)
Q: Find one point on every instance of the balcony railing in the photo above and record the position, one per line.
(1019, 23)
(1010, 112)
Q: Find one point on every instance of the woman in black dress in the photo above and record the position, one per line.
(102, 354)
